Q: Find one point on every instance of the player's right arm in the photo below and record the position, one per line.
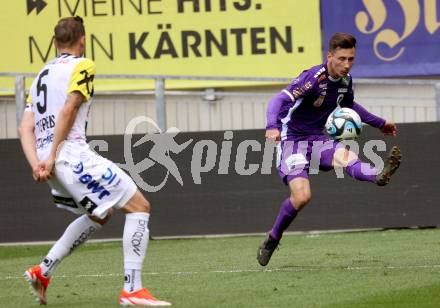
(300, 87)
(272, 112)
(26, 131)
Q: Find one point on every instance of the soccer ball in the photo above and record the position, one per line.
(343, 124)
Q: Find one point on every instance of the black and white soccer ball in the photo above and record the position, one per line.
(343, 124)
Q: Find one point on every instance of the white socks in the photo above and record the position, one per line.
(135, 241)
(77, 233)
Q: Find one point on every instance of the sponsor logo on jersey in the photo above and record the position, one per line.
(342, 90)
(297, 92)
(321, 70)
(42, 142)
(345, 81)
(308, 85)
(300, 91)
(46, 123)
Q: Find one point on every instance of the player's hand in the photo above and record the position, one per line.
(36, 173)
(45, 170)
(273, 134)
(389, 129)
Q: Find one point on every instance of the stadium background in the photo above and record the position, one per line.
(195, 49)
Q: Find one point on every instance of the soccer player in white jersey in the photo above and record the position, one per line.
(52, 134)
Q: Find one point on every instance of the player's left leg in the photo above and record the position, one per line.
(354, 167)
(391, 165)
(78, 232)
(363, 171)
(135, 242)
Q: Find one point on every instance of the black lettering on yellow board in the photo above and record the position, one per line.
(238, 32)
(101, 8)
(72, 10)
(179, 44)
(191, 39)
(196, 6)
(42, 51)
(257, 40)
(150, 9)
(97, 9)
(34, 46)
(137, 45)
(221, 44)
(165, 46)
(108, 52)
(206, 43)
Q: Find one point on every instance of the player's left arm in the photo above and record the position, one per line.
(387, 127)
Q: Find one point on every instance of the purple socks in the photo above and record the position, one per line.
(361, 171)
(285, 217)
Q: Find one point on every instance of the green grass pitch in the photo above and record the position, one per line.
(333, 270)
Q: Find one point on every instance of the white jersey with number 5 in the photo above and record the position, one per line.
(49, 92)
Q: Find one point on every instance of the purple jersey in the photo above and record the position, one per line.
(303, 107)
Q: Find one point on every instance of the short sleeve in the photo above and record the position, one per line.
(28, 106)
(82, 80)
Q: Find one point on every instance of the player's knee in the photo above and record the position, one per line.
(145, 206)
(300, 200)
(137, 203)
(103, 221)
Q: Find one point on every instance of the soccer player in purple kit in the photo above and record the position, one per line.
(296, 117)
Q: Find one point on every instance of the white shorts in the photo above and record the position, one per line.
(87, 183)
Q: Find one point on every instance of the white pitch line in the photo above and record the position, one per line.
(273, 270)
(206, 236)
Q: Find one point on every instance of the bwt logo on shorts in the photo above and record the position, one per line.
(94, 185)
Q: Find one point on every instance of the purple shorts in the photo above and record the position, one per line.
(299, 156)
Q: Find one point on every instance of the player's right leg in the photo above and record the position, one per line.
(293, 163)
(135, 242)
(299, 197)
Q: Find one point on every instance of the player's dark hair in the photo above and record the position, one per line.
(341, 40)
(68, 31)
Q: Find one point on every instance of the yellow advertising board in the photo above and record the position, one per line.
(258, 38)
